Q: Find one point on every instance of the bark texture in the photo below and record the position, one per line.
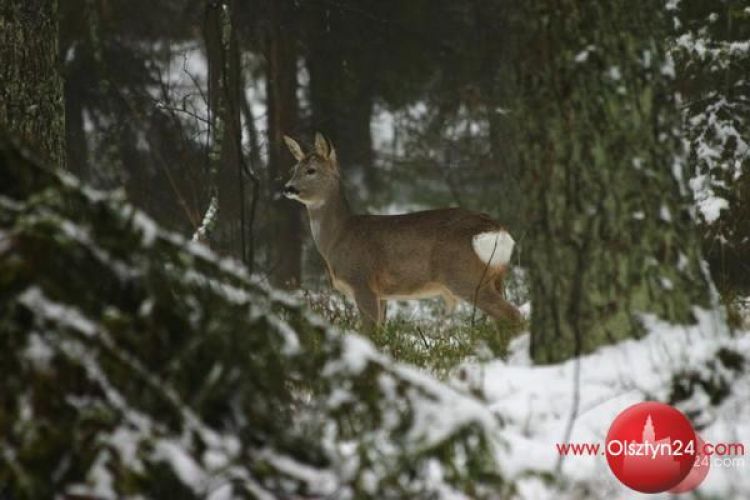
(225, 153)
(611, 237)
(31, 90)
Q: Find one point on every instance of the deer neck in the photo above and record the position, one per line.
(328, 219)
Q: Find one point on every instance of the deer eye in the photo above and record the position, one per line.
(310, 171)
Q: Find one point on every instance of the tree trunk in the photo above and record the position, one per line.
(342, 93)
(225, 151)
(492, 33)
(281, 90)
(610, 236)
(213, 37)
(31, 90)
(76, 146)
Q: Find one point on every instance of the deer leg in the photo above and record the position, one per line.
(449, 303)
(369, 308)
(507, 318)
(383, 310)
(491, 301)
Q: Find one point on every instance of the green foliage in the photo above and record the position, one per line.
(136, 363)
(714, 378)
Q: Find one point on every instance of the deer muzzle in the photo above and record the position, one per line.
(290, 190)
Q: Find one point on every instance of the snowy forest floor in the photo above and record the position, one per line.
(575, 401)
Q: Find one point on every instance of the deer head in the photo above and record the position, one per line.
(315, 176)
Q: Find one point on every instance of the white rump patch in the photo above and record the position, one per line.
(494, 247)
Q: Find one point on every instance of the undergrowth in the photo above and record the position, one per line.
(421, 333)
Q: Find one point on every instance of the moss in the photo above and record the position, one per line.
(598, 250)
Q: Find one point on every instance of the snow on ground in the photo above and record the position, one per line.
(536, 405)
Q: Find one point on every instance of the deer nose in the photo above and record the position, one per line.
(289, 189)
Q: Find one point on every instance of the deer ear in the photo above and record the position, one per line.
(321, 145)
(332, 157)
(294, 148)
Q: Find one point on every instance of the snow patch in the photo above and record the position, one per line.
(536, 402)
(183, 465)
(710, 208)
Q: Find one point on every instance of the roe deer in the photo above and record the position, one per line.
(450, 252)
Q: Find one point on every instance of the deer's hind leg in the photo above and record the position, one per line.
(488, 296)
(490, 300)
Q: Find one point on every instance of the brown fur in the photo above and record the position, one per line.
(373, 258)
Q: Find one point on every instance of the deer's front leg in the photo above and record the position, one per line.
(383, 311)
(369, 307)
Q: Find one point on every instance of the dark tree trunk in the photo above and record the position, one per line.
(281, 90)
(342, 93)
(225, 152)
(31, 90)
(610, 235)
(76, 147)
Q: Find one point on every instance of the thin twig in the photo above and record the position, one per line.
(424, 339)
